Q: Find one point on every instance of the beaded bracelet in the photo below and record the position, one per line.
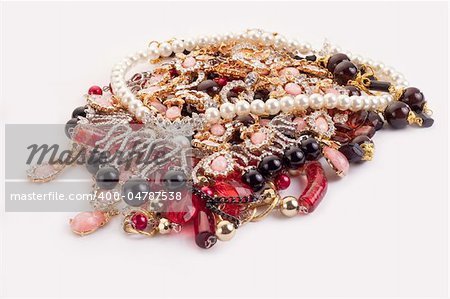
(252, 111)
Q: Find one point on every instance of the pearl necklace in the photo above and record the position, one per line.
(228, 110)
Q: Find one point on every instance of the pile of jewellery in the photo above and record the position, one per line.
(230, 120)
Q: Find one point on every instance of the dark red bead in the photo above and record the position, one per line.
(221, 81)
(95, 90)
(311, 148)
(341, 137)
(254, 179)
(375, 120)
(357, 119)
(139, 221)
(414, 98)
(352, 151)
(270, 166)
(353, 90)
(344, 72)
(368, 131)
(282, 181)
(173, 72)
(209, 86)
(335, 60)
(396, 114)
(361, 139)
(204, 225)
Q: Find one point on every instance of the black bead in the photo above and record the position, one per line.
(94, 160)
(254, 179)
(311, 57)
(261, 94)
(353, 90)
(396, 114)
(175, 180)
(210, 87)
(107, 177)
(311, 148)
(379, 85)
(427, 121)
(297, 57)
(335, 60)
(80, 111)
(414, 98)
(375, 120)
(69, 127)
(353, 152)
(247, 120)
(344, 72)
(270, 166)
(135, 192)
(186, 52)
(212, 76)
(294, 158)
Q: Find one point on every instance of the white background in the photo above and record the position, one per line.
(381, 231)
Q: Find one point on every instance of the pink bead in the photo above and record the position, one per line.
(173, 113)
(189, 62)
(158, 106)
(208, 191)
(332, 90)
(102, 100)
(321, 124)
(301, 123)
(219, 164)
(97, 90)
(293, 89)
(282, 181)
(337, 160)
(258, 137)
(289, 71)
(217, 130)
(139, 221)
(87, 222)
(221, 81)
(264, 122)
(155, 79)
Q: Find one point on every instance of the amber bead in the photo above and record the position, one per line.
(344, 72)
(414, 98)
(396, 114)
(335, 60)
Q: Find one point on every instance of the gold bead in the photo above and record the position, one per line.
(225, 230)
(203, 181)
(164, 226)
(289, 206)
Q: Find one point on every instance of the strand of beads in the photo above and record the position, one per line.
(288, 104)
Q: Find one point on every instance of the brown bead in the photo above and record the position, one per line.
(357, 119)
(344, 72)
(396, 114)
(335, 60)
(353, 90)
(414, 98)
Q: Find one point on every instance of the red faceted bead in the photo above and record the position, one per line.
(181, 211)
(232, 209)
(282, 181)
(95, 90)
(139, 221)
(221, 81)
(231, 188)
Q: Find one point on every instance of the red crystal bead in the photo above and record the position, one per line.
(96, 90)
(282, 181)
(315, 188)
(173, 72)
(181, 211)
(231, 188)
(221, 81)
(232, 209)
(139, 221)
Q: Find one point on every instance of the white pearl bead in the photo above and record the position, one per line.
(143, 55)
(257, 107)
(153, 53)
(183, 141)
(165, 49)
(212, 115)
(367, 102)
(357, 59)
(215, 39)
(301, 101)
(178, 46)
(357, 103)
(127, 98)
(134, 105)
(272, 106)
(388, 98)
(254, 35)
(267, 38)
(382, 103)
(305, 48)
(228, 37)
(280, 41)
(242, 108)
(202, 41)
(189, 44)
(375, 102)
(227, 110)
(141, 112)
(287, 104)
(343, 102)
(316, 101)
(293, 45)
(330, 100)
